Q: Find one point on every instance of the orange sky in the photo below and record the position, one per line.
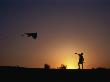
(64, 28)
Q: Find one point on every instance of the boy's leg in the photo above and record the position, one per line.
(82, 65)
(79, 65)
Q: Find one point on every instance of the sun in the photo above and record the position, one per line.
(71, 65)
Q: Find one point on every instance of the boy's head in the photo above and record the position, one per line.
(81, 53)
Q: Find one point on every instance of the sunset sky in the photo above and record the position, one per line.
(63, 26)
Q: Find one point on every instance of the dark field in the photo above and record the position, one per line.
(18, 74)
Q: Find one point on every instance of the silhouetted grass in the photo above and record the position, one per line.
(18, 74)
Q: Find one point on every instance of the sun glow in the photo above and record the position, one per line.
(71, 65)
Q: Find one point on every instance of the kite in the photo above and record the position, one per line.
(33, 35)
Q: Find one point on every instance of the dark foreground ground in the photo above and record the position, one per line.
(17, 74)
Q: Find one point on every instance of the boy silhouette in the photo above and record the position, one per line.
(81, 60)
